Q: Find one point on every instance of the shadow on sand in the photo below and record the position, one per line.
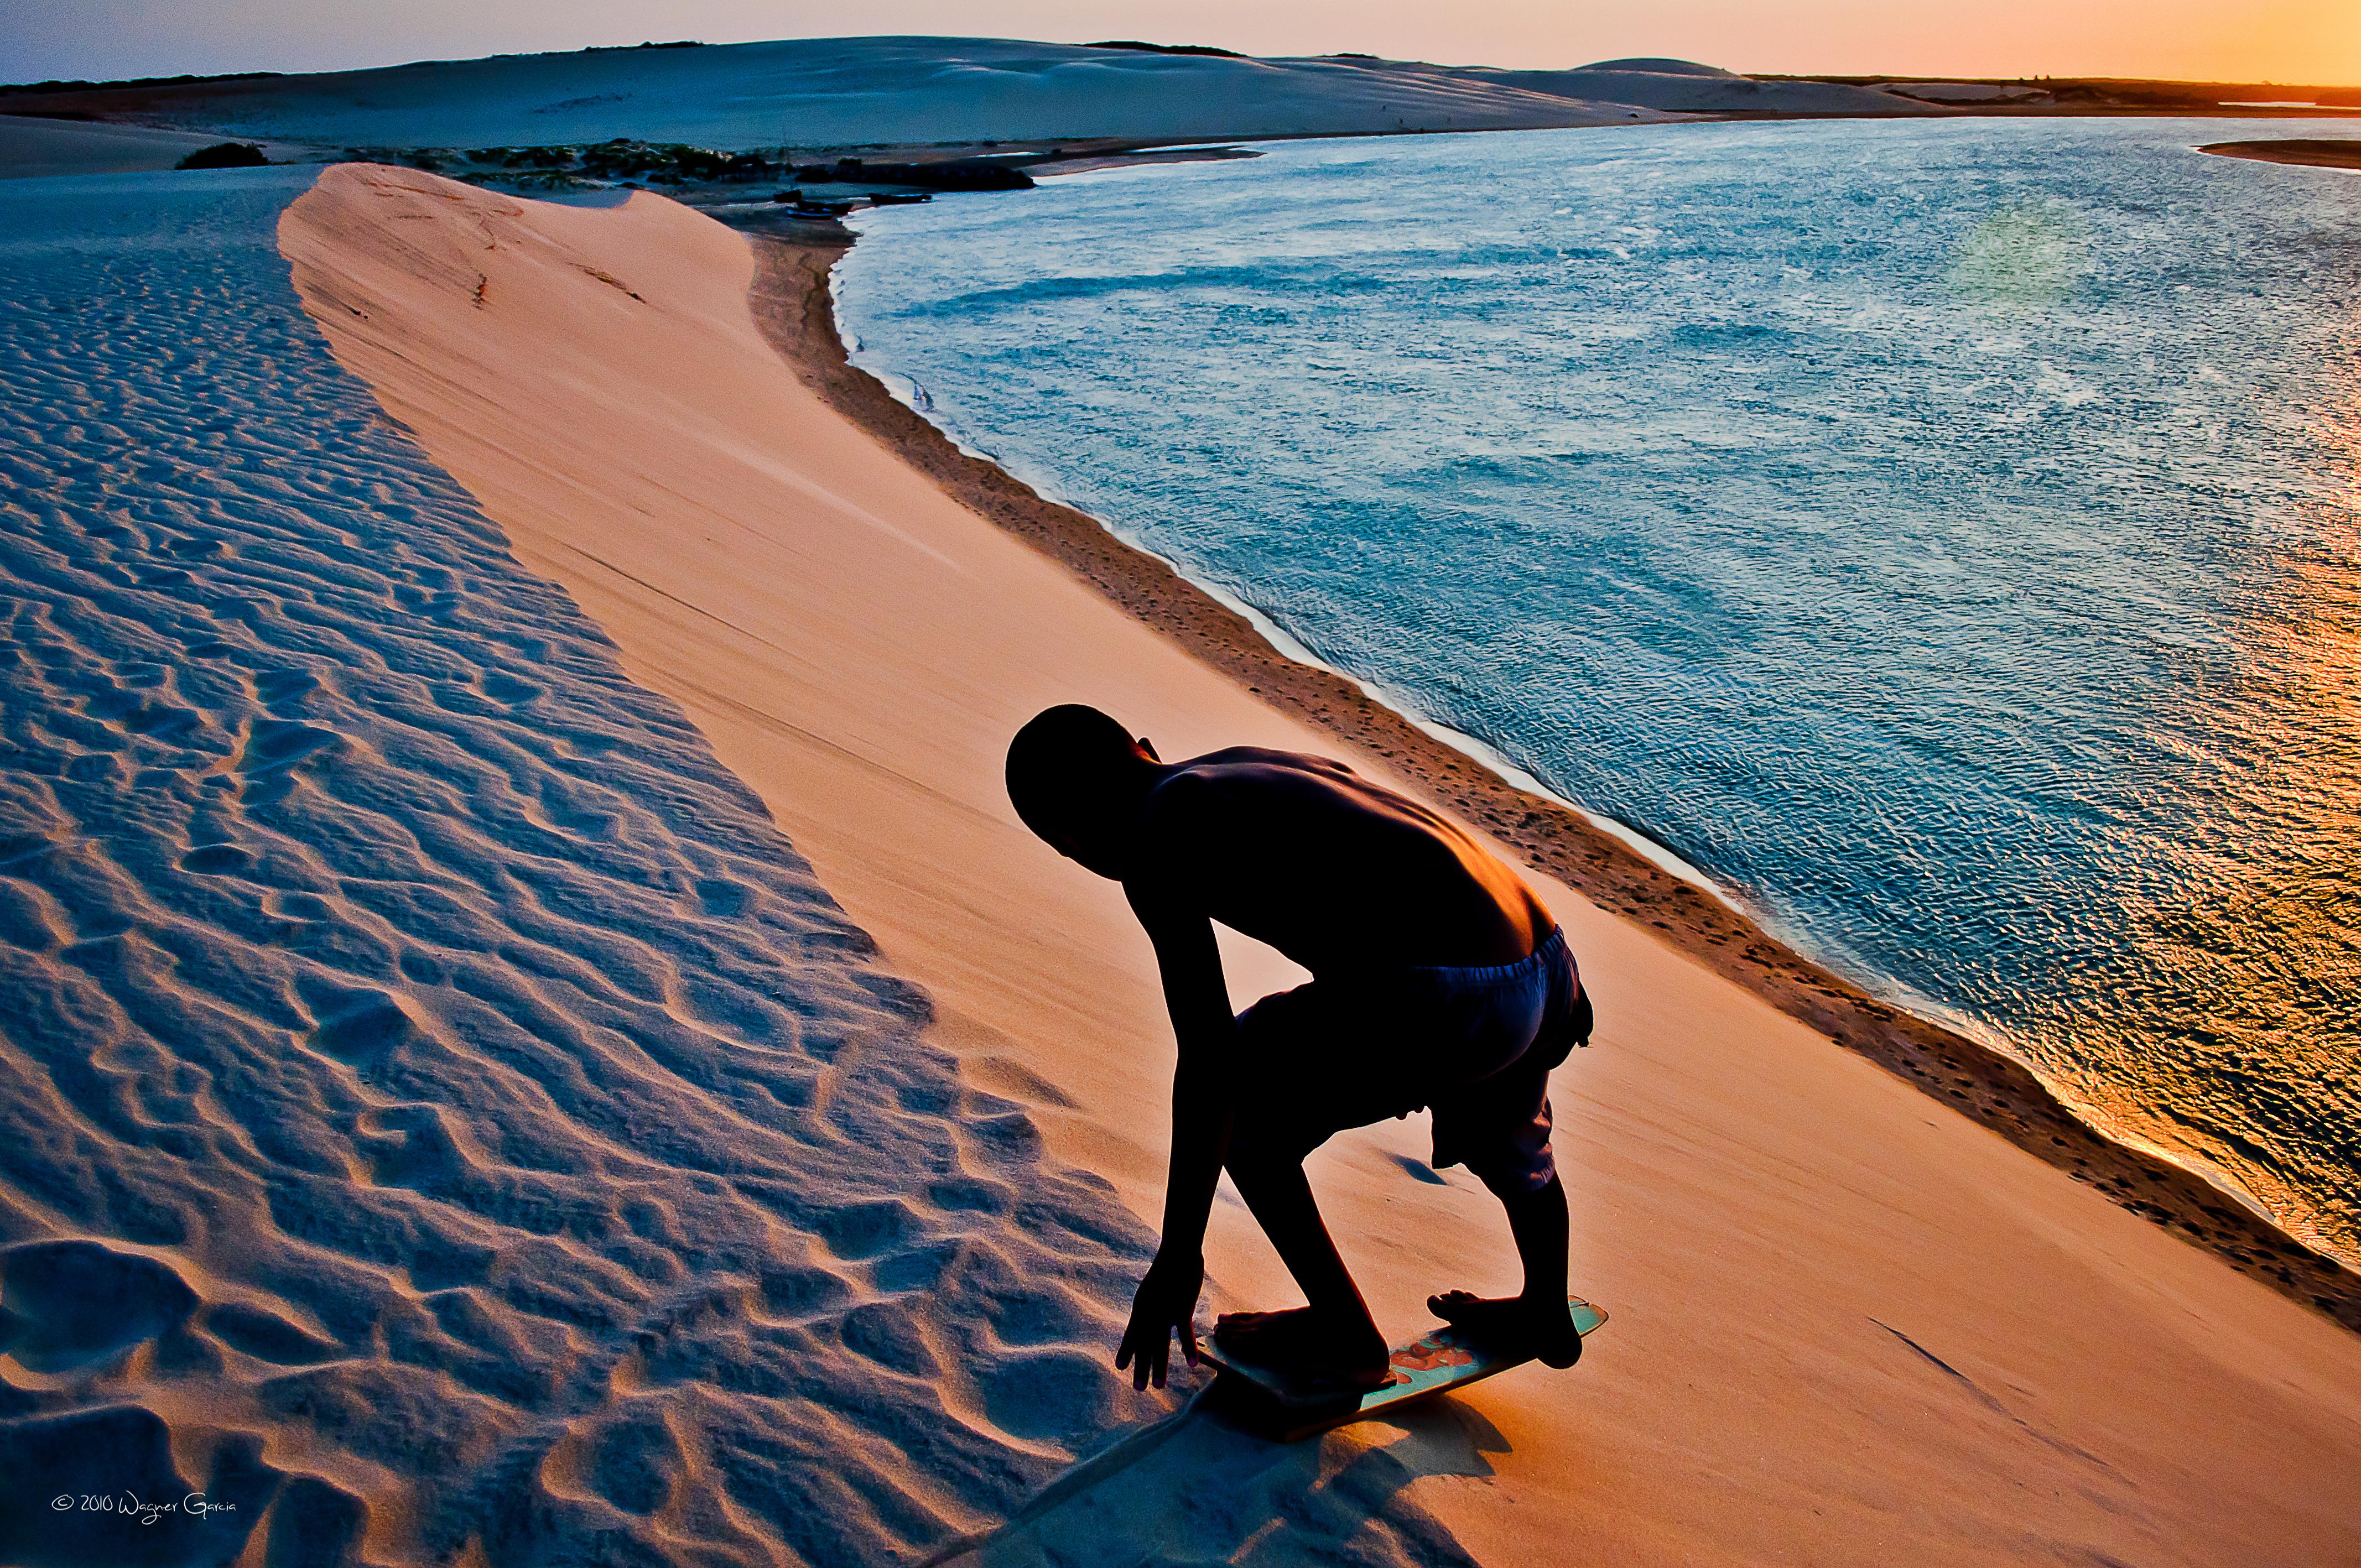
(1197, 1487)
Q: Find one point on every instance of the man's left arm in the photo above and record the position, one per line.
(1203, 1111)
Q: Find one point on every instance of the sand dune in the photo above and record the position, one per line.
(35, 148)
(445, 1119)
(840, 92)
(1684, 87)
(1849, 1326)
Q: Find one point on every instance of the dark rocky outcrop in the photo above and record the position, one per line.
(224, 154)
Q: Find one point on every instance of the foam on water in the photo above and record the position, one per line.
(1945, 535)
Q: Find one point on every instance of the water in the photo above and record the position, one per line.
(1945, 535)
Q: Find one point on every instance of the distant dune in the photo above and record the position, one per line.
(1684, 87)
(849, 91)
(31, 148)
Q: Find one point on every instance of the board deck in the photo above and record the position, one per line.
(1430, 1364)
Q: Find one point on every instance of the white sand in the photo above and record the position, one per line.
(441, 1119)
(1849, 1326)
(845, 92)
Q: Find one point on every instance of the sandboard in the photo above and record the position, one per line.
(1430, 1365)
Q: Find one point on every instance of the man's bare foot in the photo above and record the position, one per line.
(1242, 1330)
(1304, 1348)
(1512, 1325)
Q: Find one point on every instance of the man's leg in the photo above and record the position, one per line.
(1335, 1330)
(1536, 1318)
(1540, 1221)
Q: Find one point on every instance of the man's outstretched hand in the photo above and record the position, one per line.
(1165, 1305)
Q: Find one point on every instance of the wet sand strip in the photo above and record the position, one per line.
(792, 304)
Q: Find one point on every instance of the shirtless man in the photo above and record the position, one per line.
(1438, 979)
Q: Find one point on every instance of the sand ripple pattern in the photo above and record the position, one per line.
(441, 1115)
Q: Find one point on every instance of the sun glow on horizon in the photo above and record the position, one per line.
(2308, 42)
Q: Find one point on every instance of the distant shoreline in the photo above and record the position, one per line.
(63, 127)
(792, 304)
(2307, 152)
(721, 109)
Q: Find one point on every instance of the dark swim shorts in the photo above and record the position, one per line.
(1476, 1044)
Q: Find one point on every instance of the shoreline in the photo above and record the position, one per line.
(794, 306)
(1289, 649)
(2297, 152)
(87, 140)
(1839, 1318)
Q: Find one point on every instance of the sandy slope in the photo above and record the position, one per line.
(442, 1120)
(838, 91)
(1848, 1325)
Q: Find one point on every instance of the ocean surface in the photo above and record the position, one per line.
(1948, 537)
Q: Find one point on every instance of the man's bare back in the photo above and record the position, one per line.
(1331, 870)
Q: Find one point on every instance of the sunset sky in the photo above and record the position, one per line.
(2284, 40)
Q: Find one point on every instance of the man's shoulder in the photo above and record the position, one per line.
(1190, 824)
(1183, 793)
(1246, 763)
(1219, 785)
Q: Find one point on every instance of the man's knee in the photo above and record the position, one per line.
(1512, 1180)
(1257, 1165)
(1251, 1161)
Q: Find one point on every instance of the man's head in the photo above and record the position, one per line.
(1076, 778)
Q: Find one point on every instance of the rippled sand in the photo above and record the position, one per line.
(440, 1105)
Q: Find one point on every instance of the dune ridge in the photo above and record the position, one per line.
(446, 1121)
(36, 148)
(865, 91)
(1848, 1327)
